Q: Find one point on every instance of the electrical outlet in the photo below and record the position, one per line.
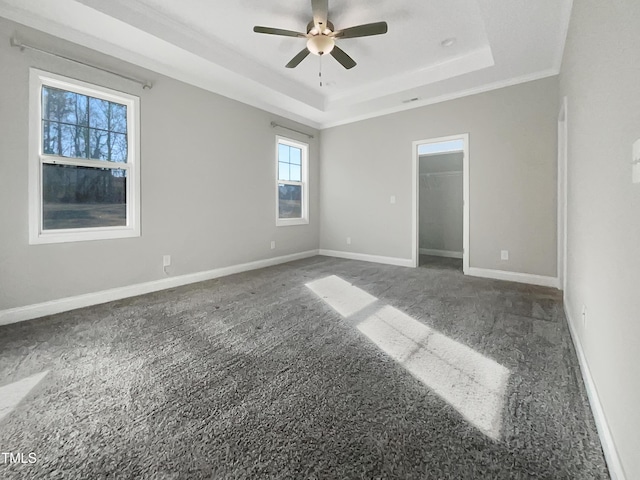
(504, 255)
(273, 244)
(584, 315)
(348, 240)
(166, 262)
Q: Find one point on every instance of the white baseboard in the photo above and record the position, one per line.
(401, 262)
(515, 277)
(29, 312)
(440, 253)
(608, 446)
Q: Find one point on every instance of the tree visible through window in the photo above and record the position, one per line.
(292, 161)
(87, 161)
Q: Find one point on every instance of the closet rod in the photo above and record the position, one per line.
(274, 125)
(16, 43)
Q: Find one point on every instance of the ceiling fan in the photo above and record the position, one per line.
(321, 35)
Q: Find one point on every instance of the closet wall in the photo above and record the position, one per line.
(441, 207)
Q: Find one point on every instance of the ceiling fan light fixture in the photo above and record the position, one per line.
(320, 44)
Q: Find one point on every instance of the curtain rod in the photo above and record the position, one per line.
(441, 174)
(274, 125)
(16, 43)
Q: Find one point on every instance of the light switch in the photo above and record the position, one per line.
(392, 199)
(635, 162)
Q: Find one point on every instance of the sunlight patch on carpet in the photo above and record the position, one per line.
(343, 297)
(472, 383)
(12, 394)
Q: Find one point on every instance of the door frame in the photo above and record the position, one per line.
(562, 195)
(415, 210)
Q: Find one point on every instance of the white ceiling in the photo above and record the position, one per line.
(211, 44)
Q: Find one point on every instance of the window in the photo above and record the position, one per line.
(84, 161)
(292, 195)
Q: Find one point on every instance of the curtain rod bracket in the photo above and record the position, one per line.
(14, 43)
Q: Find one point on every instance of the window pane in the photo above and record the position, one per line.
(63, 106)
(81, 108)
(283, 171)
(290, 201)
(105, 145)
(117, 147)
(296, 173)
(283, 153)
(98, 113)
(64, 139)
(82, 197)
(118, 118)
(295, 156)
(107, 115)
(50, 137)
(98, 144)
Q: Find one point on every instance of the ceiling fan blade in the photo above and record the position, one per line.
(320, 10)
(295, 61)
(366, 30)
(278, 31)
(345, 60)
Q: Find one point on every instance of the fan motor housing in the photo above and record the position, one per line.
(311, 26)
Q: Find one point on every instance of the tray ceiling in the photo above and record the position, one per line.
(212, 45)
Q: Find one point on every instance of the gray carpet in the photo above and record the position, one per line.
(440, 263)
(258, 375)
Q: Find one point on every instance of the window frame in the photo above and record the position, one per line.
(37, 159)
(304, 183)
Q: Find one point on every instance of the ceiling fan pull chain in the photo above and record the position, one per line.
(320, 72)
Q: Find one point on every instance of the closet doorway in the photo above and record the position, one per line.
(441, 202)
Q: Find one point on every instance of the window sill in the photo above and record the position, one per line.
(66, 236)
(286, 222)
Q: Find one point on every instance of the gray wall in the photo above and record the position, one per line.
(440, 200)
(512, 177)
(207, 172)
(601, 77)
